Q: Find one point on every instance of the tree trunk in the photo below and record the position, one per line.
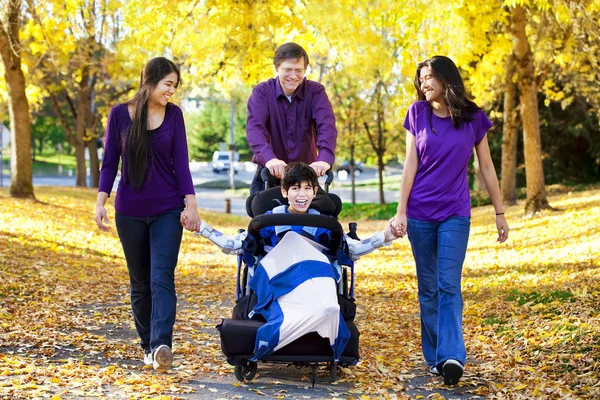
(83, 106)
(92, 138)
(380, 140)
(509, 137)
(534, 171)
(92, 146)
(380, 167)
(41, 148)
(479, 182)
(18, 107)
(352, 177)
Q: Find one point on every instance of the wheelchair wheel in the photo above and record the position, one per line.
(333, 369)
(245, 371)
(345, 288)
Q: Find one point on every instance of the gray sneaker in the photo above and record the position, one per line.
(163, 357)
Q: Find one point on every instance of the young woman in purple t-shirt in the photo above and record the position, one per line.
(155, 201)
(434, 208)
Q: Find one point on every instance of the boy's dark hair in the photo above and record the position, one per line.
(289, 51)
(297, 172)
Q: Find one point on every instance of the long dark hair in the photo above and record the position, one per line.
(137, 141)
(461, 109)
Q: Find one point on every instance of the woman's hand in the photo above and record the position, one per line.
(101, 215)
(102, 218)
(502, 226)
(399, 224)
(190, 219)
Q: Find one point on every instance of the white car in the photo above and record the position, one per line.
(221, 161)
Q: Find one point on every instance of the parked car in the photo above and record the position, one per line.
(221, 161)
(345, 166)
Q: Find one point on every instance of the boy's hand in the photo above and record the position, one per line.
(389, 233)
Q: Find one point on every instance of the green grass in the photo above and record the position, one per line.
(362, 211)
(537, 297)
(491, 320)
(4, 168)
(47, 164)
(389, 183)
(67, 160)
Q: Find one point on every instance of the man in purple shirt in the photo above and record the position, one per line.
(290, 118)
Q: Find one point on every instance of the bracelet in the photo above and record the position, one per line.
(499, 214)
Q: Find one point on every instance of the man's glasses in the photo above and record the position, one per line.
(288, 72)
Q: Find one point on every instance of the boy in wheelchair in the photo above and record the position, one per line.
(296, 283)
(299, 186)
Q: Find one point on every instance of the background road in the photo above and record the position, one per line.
(214, 199)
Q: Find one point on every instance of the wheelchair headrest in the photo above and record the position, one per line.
(260, 202)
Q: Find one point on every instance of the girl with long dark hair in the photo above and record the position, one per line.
(155, 200)
(434, 208)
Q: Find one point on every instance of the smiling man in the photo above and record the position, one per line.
(290, 118)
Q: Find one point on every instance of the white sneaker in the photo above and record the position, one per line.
(148, 359)
(434, 370)
(163, 357)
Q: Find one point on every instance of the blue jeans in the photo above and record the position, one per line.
(439, 250)
(151, 247)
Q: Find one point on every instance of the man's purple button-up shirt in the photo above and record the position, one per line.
(291, 131)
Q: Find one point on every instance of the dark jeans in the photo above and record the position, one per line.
(151, 247)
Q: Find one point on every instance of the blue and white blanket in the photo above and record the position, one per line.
(297, 294)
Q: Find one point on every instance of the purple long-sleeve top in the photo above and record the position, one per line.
(291, 131)
(169, 179)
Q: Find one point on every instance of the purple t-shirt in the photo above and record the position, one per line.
(276, 128)
(169, 179)
(441, 188)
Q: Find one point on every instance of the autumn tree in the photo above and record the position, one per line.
(348, 107)
(370, 42)
(18, 107)
(555, 49)
(211, 125)
(216, 41)
(70, 47)
(530, 118)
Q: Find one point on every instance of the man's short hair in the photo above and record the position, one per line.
(290, 51)
(297, 172)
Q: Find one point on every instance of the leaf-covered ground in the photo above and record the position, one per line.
(531, 318)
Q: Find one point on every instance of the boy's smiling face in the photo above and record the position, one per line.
(299, 197)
